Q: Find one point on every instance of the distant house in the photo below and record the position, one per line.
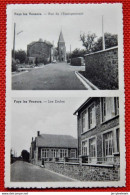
(41, 50)
(45, 52)
(49, 147)
(98, 130)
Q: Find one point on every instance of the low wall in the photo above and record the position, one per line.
(85, 172)
(103, 66)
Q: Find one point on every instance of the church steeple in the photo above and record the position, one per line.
(61, 39)
(61, 48)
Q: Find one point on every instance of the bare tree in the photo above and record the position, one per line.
(88, 41)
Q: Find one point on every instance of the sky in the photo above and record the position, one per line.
(48, 27)
(48, 118)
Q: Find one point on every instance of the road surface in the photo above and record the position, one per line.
(23, 171)
(59, 76)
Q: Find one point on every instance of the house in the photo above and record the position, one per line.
(41, 50)
(98, 130)
(51, 147)
(45, 52)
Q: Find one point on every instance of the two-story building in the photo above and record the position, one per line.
(52, 147)
(98, 130)
(40, 50)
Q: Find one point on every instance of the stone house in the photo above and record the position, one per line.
(50, 147)
(45, 52)
(41, 50)
(98, 131)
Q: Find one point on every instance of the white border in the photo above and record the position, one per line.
(107, 93)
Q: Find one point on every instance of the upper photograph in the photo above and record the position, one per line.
(64, 47)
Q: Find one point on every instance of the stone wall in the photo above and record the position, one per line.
(85, 172)
(103, 66)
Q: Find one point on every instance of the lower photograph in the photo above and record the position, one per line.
(65, 142)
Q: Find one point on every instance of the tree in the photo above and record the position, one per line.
(110, 41)
(78, 53)
(88, 41)
(25, 155)
(91, 45)
(20, 55)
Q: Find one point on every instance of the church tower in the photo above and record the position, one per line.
(61, 48)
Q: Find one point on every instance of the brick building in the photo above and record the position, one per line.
(98, 130)
(49, 147)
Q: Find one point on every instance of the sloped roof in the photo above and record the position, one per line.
(51, 140)
(61, 39)
(82, 105)
(41, 41)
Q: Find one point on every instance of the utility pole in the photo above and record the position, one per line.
(103, 40)
(14, 41)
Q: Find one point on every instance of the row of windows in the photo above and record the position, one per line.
(110, 142)
(109, 109)
(61, 153)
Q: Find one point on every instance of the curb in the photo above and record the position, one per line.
(86, 82)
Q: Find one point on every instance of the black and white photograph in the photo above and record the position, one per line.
(81, 142)
(60, 131)
(66, 47)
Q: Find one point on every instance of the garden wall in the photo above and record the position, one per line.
(85, 172)
(101, 68)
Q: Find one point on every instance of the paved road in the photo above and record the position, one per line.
(60, 76)
(23, 171)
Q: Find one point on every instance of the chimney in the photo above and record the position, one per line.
(38, 133)
(32, 139)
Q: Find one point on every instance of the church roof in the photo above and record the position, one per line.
(61, 39)
(51, 140)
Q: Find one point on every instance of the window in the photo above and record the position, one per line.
(45, 153)
(85, 148)
(91, 116)
(108, 144)
(54, 151)
(117, 140)
(83, 121)
(63, 153)
(88, 118)
(73, 153)
(103, 109)
(111, 143)
(109, 107)
(92, 148)
(116, 104)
